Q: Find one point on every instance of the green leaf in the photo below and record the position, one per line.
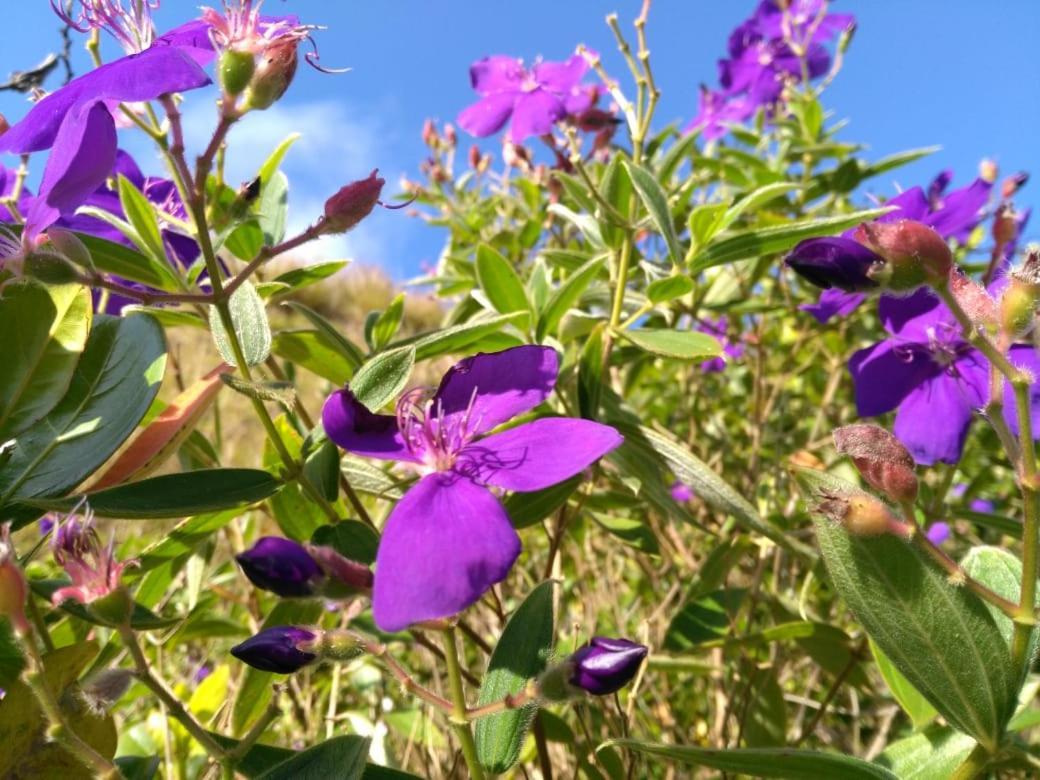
(44, 331)
(113, 258)
(500, 282)
(656, 201)
(182, 540)
(386, 324)
(296, 513)
(351, 539)
(249, 320)
(567, 294)
(616, 189)
(787, 763)
(910, 699)
(173, 495)
(27, 751)
(141, 618)
(704, 619)
(336, 340)
(590, 373)
(339, 757)
(255, 687)
(632, 531)
(273, 208)
(115, 383)
(765, 724)
(932, 754)
(382, 378)
(521, 654)
(941, 637)
(753, 200)
(681, 344)
(12, 662)
(141, 215)
(705, 222)
(138, 767)
(322, 469)
(753, 244)
(526, 509)
(1001, 572)
(367, 478)
(316, 352)
(298, 278)
(669, 288)
(456, 338)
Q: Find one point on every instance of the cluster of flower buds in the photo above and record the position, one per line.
(899, 256)
(287, 649)
(14, 590)
(293, 570)
(603, 666)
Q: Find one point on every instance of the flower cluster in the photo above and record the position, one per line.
(781, 43)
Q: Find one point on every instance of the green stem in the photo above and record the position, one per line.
(459, 721)
(973, 765)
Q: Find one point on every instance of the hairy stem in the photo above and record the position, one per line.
(459, 721)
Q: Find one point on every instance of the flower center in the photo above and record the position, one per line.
(431, 435)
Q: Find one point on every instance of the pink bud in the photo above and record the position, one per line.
(881, 459)
(14, 591)
(429, 133)
(915, 254)
(1013, 184)
(351, 574)
(1005, 226)
(352, 204)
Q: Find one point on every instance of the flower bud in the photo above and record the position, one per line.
(273, 76)
(1021, 297)
(835, 262)
(606, 665)
(976, 301)
(914, 253)
(429, 134)
(344, 575)
(281, 649)
(114, 608)
(352, 204)
(451, 138)
(14, 590)
(49, 267)
(861, 514)
(67, 244)
(281, 566)
(235, 69)
(1005, 224)
(103, 689)
(1013, 184)
(988, 170)
(882, 459)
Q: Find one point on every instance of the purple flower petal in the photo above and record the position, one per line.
(84, 153)
(1024, 356)
(498, 385)
(538, 454)
(561, 77)
(535, 113)
(192, 38)
(910, 204)
(488, 115)
(354, 428)
(961, 211)
(832, 303)
(933, 420)
(145, 76)
(497, 73)
(886, 373)
(445, 544)
(834, 262)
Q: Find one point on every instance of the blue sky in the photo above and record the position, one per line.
(957, 73)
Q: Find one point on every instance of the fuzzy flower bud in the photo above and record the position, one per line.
(429, 134)
(281, 566)
(1013, 184)
(881, 458)
(281, 649)
(272, 77)
(861, 514)
(1021, 297)
(14, 590)
(1005, 224)
(914, 253)
(352, 204)
(103, 689)
(235, 69)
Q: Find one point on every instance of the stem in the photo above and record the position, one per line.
(172, 703)
(60, 730)
(458, 698)
(973, 765)
(254, 734)
(409, 683)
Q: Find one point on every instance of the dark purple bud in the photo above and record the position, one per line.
(835, 262)
(281, 566)
(352, 203)
(606, 665)
(282, 649)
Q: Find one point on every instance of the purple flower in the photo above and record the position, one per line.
(842, 262)
(732, 349)
(606, 665)
(933, 378)
(281, 566)
(449, 539)
(93, 569)
(282, 649)
(975, 504)
(76, 122)
(938, 533)
(762, 60)
(535, 99)
(681, 492)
